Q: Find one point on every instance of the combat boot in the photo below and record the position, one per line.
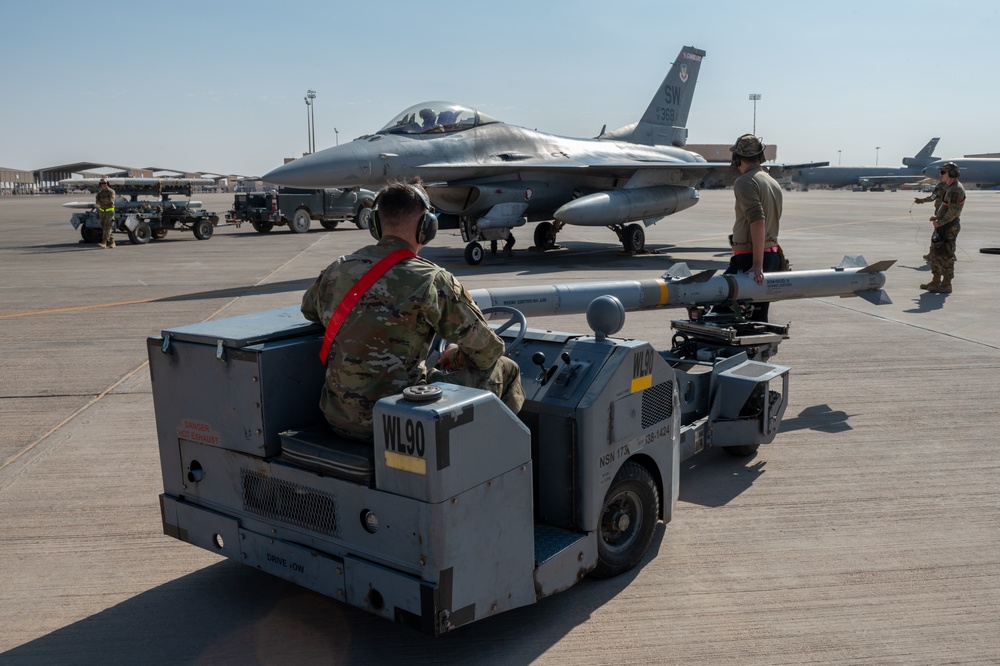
(943, 288)
(927, 257)
(933, 284)
(111, 243)
(102, 245)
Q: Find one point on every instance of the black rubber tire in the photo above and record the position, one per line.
(628, 520)
(159, 233)
(262, 227)
(91, 234)
(363, 219)
(473, 254)
(545, 236)
(329, 225)
(634, 238)
(141, 234)
(203, 229)
(300, 221)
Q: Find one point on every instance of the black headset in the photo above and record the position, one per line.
(953, 171)
(426, 228)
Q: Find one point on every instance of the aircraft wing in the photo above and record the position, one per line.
(779, 170)
(891, 180)
(679, 173)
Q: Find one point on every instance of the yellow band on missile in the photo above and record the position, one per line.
(664, 292)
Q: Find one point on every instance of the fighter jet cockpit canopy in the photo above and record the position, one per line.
(436, 117)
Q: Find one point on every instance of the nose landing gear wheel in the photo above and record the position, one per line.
(473, 254)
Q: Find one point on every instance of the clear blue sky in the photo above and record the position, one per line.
(218, 86)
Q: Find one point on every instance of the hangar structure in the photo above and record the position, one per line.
(46, 180)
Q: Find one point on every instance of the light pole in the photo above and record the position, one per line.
(337, 134)
(838, 158)
(311, 119)
(753, 98)
(876, 154)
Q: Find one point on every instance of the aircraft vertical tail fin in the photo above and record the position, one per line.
(924, 157)
(665, 120)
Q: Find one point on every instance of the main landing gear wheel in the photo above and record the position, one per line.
(631, 510)
(473, 254)
(329, 225)
(203, 229)
(141, 234)
(634, 238)
(300, 221)
(545, 236)
(263, 227)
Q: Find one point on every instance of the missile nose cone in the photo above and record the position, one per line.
(340, 166)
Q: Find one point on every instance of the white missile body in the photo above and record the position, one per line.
(86, 205)
(678, 288)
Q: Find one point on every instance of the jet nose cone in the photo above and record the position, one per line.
(340, 166)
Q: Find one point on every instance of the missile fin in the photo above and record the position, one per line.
(874, 296)
(703, 276)
(852, 261)
(878, 266)
(677, 271)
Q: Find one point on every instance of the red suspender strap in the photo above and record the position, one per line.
(355, 294)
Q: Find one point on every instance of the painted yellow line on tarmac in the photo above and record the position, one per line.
(77, 308)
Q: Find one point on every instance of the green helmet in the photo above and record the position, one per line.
(747, 146)
(951, 169)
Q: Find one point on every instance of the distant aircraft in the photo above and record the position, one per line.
(983, 172)
(869, 176)
(494, 177)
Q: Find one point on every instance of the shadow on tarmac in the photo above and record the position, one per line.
(714, 478)
(229, 613)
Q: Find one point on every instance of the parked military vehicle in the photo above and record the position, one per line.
(297, 208)
(461, 509)
(145, 219)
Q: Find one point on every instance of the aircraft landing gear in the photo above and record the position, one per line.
(545, 236)
(633, 238)
(473, 254)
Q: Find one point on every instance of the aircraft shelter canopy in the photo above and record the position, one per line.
(436, 117)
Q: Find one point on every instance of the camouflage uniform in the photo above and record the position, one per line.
(382, 345)
(934, 196)
(105, 200)
(948, 210)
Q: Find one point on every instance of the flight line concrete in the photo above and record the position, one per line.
(868, 532)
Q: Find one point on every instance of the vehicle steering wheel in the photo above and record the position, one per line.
(516, 317)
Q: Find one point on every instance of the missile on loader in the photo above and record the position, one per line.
(679, 288)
